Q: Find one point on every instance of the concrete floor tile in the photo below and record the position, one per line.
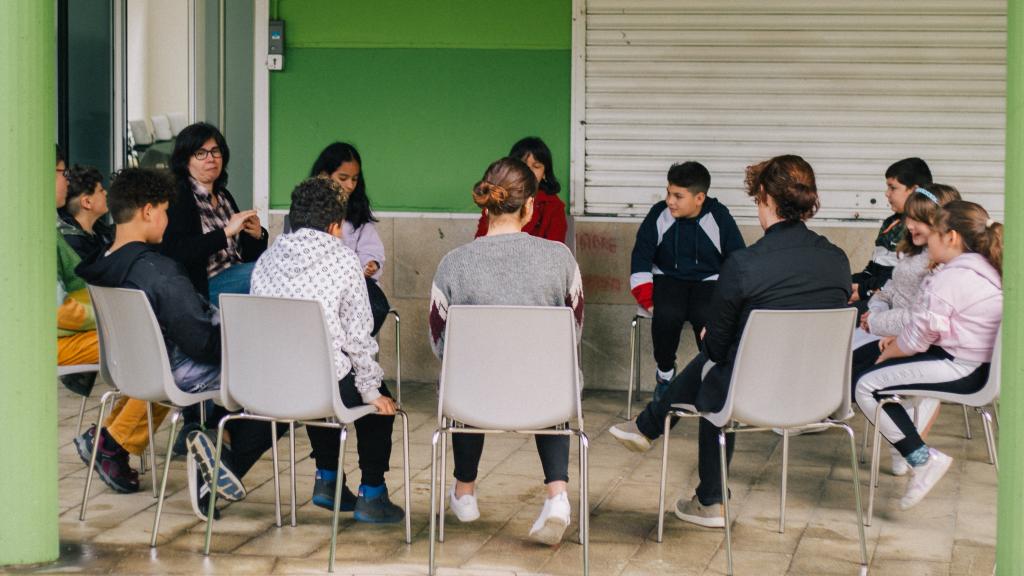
(608, 559)
(176, 562)
(750, 562)
(137, 530)
(909, 568)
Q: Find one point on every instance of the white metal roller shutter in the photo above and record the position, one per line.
(850, 86)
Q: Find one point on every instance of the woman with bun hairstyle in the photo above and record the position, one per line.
(548, 220)
(507, 266)
(889, 308)
(947, 342)
(341, 163)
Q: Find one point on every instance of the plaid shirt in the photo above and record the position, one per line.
(216, 219)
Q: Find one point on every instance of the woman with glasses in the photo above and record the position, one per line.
(217, 243)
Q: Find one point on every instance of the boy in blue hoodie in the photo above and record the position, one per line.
(679, 250)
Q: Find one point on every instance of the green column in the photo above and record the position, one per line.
(1009, 551)
(28, 388)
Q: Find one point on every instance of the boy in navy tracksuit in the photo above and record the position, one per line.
(679, 250)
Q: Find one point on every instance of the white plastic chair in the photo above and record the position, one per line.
(531, 387)
(78, 369)
(140, 132)
(980, 401)
(286, 375)
(161, 127)
(178, 122)
(792, 371)
(133, 358)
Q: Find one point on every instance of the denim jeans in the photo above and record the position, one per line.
(233, 280)
(192, 376)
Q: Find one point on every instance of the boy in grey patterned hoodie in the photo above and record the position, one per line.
(312, 262)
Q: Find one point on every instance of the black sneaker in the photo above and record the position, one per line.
(83, 444)
(113, 467)
(181, 442)
(323, 494)
(80, 383)
(198, 492)
(377, 510)
(203, 450)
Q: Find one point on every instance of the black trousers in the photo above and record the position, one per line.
(379, 305)
(707, 395)
(553, 451)
(250, 439)
(676, 302)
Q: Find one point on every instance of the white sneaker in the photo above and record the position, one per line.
(694, 512)
(899, 463)
(464, 507)
(630, 436)
(925, 478)
(553, 520)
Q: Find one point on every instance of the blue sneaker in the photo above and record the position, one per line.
(661, 386)
(323, 494)
(203, 449)
(377, 509)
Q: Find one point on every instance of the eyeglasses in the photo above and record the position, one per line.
(202, 153)
(63, 173)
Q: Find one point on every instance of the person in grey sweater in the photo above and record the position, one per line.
(508, 267)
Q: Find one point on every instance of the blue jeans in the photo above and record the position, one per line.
(191, 376)
(232, 280)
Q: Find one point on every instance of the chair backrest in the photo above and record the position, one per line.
(133, 356)
(140, 132)
(792, 368)
(510, 367)
(178, 122)
(161, 127)
(286, 371)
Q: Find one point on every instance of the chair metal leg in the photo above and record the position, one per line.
(785, 474)
(81, 416)
(405, 463)
(724, 462)
(291, 447)
(104, 400)
(398, 357)
(875, 456)
(277, 474)
(867, 434)
(664, 477)
(585, 499)
(855, 467)
(213, 488)
(967, 423)
(990, 439)
(337, 500)
(634, 340)
(442, 477)
(163, 483)
(995, 412)
(433, 498)
(152, 453)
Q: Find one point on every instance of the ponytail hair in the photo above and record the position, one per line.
(505, 187)
(925, 206)
(980, 234)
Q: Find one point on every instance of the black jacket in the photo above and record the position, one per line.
(82, 242)
(187, 321)
(185, 242)
(790, 268)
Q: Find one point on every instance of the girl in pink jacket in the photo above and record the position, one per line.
(947, 343)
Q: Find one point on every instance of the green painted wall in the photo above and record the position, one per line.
(430, 93)
(28, 280)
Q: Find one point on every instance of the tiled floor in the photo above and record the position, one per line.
(951, 533)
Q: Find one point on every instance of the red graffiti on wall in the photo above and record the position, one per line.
(601, 283)
(590, 242)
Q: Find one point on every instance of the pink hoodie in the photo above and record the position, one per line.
(959, 309)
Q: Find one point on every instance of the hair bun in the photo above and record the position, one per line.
(486, 194)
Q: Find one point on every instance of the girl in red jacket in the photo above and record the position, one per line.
(548, 220)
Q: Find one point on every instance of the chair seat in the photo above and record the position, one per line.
(973, 400)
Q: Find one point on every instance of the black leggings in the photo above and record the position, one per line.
(250, 439)
(676, 302)
(553, 450)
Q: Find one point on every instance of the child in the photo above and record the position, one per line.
(947, 343)
(83, 221)
(138, 203)
(341, 163)
(679, 251)
(548, 221)
(889, 309)
(508, 267)
(313, 262)
(900, 181)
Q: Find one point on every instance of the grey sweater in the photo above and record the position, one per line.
(890, 307)
(508, 269)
